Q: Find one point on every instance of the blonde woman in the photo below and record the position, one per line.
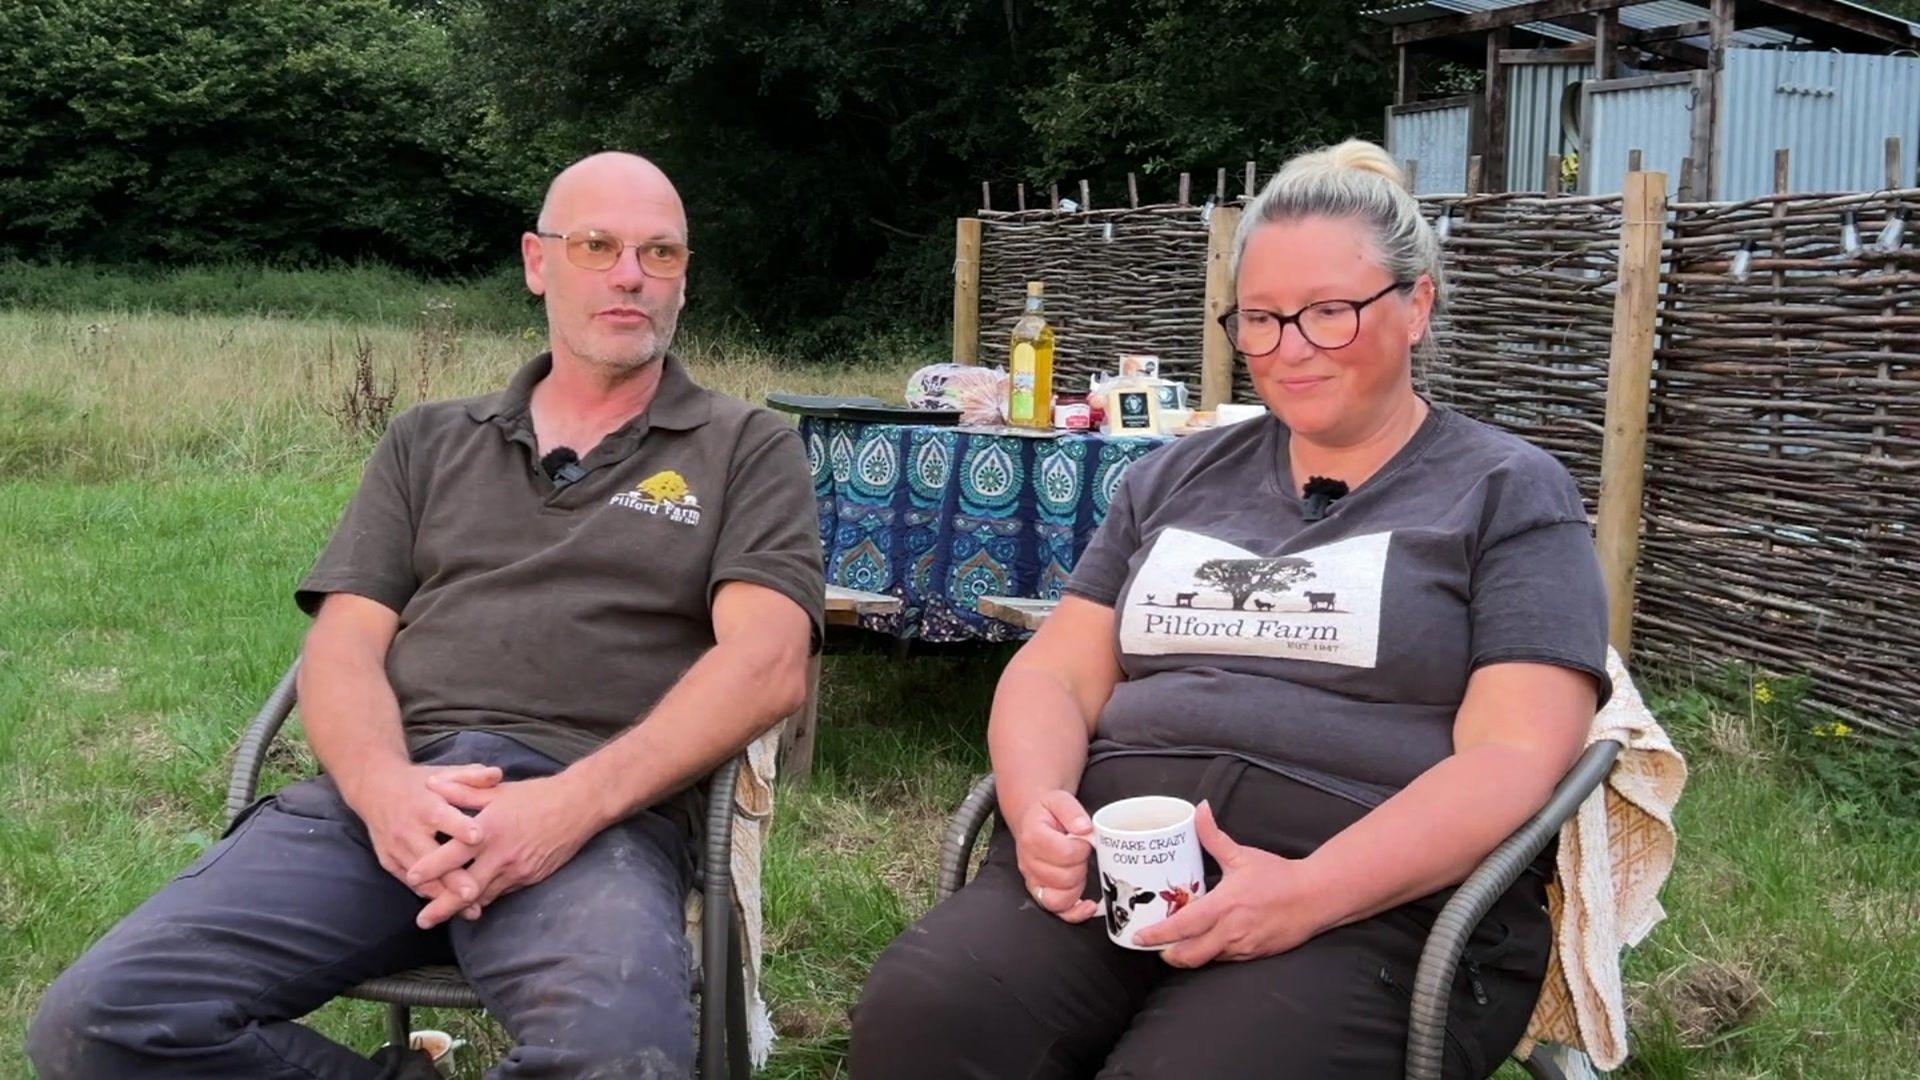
(1388, 639)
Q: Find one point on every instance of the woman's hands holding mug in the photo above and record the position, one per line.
(1263, 905)
(1054, 841)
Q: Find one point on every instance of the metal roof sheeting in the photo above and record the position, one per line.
(1534, 130)
(1655, 120)
(1649, 16)
(1834, 111)
(1438, 140)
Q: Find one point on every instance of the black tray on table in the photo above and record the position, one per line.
(869, 410)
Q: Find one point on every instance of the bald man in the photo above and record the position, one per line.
(546, 615)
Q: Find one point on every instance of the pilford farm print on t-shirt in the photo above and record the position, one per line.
(1195, 594)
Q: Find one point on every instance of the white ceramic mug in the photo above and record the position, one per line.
(1148, 857)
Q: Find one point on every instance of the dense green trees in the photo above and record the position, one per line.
(823, 146)
(202, 129)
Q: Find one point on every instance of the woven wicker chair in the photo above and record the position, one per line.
(719, 976)
(1440, 959)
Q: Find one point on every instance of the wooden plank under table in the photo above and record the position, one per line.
(844, 608)
(1022, 611)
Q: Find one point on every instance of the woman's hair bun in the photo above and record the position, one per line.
(1363, 156)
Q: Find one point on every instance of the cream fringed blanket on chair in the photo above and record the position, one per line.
(1615, 854)
(752, 816)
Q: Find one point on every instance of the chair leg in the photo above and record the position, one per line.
(796, 739)
(1539, 1064)
(399, 1025)
(715, 1024)
(739, 1052)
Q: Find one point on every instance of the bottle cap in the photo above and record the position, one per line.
(1036, 288)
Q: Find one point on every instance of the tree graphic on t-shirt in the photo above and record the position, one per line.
(1241, 578)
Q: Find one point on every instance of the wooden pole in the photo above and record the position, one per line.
(1020, 196)
(1553, 174)
(1186, 188)
(1053, 197)
(1413, 175)
(1216, 353)
(966, 291)
(1633, 160)
(1623, 452)
(1782, 179)
(986, 195)
(1220, 185)
(1495, 117)
(1251, 176)
(1686, 179)
(1896, 169)
(1086, 199)
(1606, 28)
(1475, 170)
(1133, 191)
(1720, 27)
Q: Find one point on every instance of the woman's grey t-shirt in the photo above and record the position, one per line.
(1336, 651)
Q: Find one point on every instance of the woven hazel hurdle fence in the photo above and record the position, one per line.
(1118, 281)
(1745, 425)
(1524, 342)
(1782, 521)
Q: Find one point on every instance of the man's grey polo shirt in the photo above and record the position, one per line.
(559, 615)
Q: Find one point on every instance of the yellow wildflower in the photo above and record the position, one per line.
(1762, 693)
(1834, 730)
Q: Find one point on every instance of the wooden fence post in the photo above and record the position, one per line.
(1216, 353)
(1623, 453)
(966, 290)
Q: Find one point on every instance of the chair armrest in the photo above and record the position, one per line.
(1440, 959)
(957, 849)
(252, 752)
(718, 958)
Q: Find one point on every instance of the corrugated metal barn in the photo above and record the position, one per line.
(1574, 90)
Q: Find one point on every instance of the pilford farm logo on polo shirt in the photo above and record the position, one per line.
(664, 494)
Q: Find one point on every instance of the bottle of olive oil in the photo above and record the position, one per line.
(1030, 365)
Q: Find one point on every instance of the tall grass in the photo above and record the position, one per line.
(108, 395)
(366, 293)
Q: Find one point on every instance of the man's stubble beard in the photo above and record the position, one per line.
(661, 326)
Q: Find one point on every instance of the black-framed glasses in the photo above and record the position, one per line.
(1326, 324)
(596, 249)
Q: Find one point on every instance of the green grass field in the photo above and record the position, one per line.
(168, 479)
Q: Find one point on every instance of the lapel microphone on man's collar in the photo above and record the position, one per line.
(562, 466)
(1319, 495)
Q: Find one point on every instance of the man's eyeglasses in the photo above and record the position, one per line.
(1326, 324)
(592, 249)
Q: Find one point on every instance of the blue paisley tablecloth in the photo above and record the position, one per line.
(941, 516)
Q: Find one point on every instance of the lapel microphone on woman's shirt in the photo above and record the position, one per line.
(562, 466)
(1319, 495)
